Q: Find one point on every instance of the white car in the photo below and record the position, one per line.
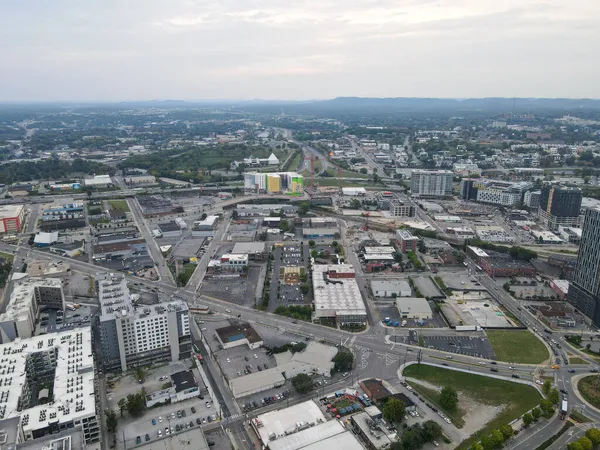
(228, 360)
(159, 433)
(255, 357)
(481, 363)
(539, 382)
(160, 419)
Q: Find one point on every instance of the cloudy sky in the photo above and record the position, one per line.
(302, 49)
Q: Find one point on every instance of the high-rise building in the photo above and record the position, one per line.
(560, 205)
(431, 183)
(495, 192)
(584, 292)
(274, 182)
(137, 335)
(400, 209)
(531, 199)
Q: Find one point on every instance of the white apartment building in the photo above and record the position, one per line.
(431, 183)
(29, 295)
(133, 335)
(63, 360)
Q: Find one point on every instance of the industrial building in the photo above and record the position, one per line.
(62, 361)
(390, 288)
(354, 192)
(29, 295)
(560, 205)
(124, 249)
(584, 291)
(239, 334)
(274, 182)
(140, 179)
(337, 296)
(11, 218)
(183, 387)
(414, 308)
(320, 233)
(101, 181)
(399, 208)
(136, 335)
(254, 250)
(431, 183)
(315, 359)
(494, 192)
(43, 239)
(207, 224)
(169, 229)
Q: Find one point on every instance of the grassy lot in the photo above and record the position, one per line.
(7, 256)
(295, 162)
(518, 398)
(119, 204)
(185, 273)
(345, 173)
(587, 387)
(518, 346)
(577, 360)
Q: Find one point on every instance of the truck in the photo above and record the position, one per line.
(467, 328)
(563, 409)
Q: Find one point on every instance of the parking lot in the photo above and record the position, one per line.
(476, 346)
(52, 320)
(234, 289)
(173, 416)
(291, 256)
(290, 294)
(239, 361)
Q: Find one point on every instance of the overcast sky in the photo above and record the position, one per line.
(297, 49)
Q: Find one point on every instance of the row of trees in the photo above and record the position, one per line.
(495, 439)
(24, 171)
(590, 441)
(515, 251)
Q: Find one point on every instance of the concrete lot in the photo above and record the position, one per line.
(461, 281)
(241, 291)
(463, 345)
(427, 286)
(474, 308)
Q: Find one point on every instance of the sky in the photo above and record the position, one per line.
(118, 50)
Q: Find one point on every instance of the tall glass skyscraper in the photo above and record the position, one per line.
(584, 292)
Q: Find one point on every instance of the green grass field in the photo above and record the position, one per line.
(577, 360)
(518, 346)
(518, 398)
(119, 204)
(345, 173)
(295, 162)
(587, 387)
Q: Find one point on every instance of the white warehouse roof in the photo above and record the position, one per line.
(343, 295)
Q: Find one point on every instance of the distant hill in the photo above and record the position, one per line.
(490, 103)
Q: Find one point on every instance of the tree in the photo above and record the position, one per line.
(284, 225)
(355, 204)
(498, 437)
(136, 403)
(122, 404)
(431, 430)
(546, 387)
(593, 434)
(574, 446)
(393, 410)
(527, 419)
(303, 207)
(476, 446)
(111, 420)
(302, 383)
(554, 396)
(304, 288)
(343, 361)
(586, 444)
(411, 439)
(506, 431)
(363, 170)
(203, 216)
(311, 243)
(536, 413)
(547, 407)
(489, 442)
(449, 398)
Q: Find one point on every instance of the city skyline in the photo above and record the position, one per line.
(320, 49)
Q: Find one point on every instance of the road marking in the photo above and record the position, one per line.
(352, 341)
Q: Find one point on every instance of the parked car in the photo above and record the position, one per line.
(147, 437)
